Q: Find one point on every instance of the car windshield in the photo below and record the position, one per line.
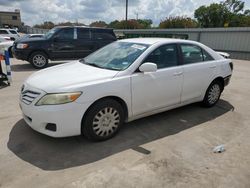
(116, 56)
(50, 33)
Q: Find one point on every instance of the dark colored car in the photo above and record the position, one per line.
(62, 43)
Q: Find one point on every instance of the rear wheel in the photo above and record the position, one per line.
(212, 94)
(103, 120)
(39, 60)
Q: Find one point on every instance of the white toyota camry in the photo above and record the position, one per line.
(121, 82)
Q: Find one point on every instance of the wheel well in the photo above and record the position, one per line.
(118, 99)
(37, 51)
(220, 80)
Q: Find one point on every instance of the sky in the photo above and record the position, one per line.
(86, 11)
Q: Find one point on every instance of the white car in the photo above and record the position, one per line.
(12, 33)
(121, 82)
(224, 54)
(6, 45)
(4, 39)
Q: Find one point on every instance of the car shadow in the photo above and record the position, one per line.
(60, 153)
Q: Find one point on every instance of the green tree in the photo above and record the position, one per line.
(131, 24)
(98, 24)
(145, 23)
(214, 15)
(45, 25)
(228, 13)
(178, 22)
(234, 6)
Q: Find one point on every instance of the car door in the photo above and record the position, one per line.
(199, 69)
(63, 44)
(155, 90)
(84, 44)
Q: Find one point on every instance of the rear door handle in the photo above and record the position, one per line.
(178, 73)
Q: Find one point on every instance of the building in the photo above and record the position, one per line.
(10, 19)
(233, 40)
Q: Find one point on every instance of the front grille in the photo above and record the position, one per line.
(29, 96)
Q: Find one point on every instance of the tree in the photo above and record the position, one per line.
(178, 22)
(45, 25)
(131, 24)
(234, 6)
(50, 25)
(98, 24)
(228, 13)
(214, 15)
(114, 24)
(145, 23)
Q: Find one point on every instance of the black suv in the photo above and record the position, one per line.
(62, 43)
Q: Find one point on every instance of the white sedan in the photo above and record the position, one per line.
(121, 82)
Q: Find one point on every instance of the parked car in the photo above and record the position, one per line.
(62, 43)
(121, 82)
(7, 45)
(12, 33)
(4, 39)
(224, 54)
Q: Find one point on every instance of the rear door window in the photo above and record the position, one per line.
(207, 56)
(83, 33)
(191, 53)
(103, 35)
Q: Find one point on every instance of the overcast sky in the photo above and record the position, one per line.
(86, 11)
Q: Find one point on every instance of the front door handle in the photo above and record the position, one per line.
(178, 73)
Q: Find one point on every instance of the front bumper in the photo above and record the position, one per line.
(66, 117)
(20, 54)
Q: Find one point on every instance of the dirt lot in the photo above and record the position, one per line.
(172, 149)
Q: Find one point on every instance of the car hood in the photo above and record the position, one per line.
(68, 77)
(27, 40)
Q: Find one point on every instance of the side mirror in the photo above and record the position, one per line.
(148, 67)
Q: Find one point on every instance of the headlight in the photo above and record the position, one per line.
(22, 46)
(58, 98)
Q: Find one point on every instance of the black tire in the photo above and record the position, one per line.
(213, 94)
(35, 57)
(91, 126)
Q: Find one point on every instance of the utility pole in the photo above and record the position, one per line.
(126, 18)
(137, 15)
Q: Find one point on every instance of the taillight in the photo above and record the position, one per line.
(231, 66)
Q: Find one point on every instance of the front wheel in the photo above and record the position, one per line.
(103, 120)
(212, 94)
(39, 60)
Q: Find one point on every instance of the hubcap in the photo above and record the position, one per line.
(214, 94)
(106, 121)
(39, 60)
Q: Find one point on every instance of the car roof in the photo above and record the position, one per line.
(151, 41)
(87, 27)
